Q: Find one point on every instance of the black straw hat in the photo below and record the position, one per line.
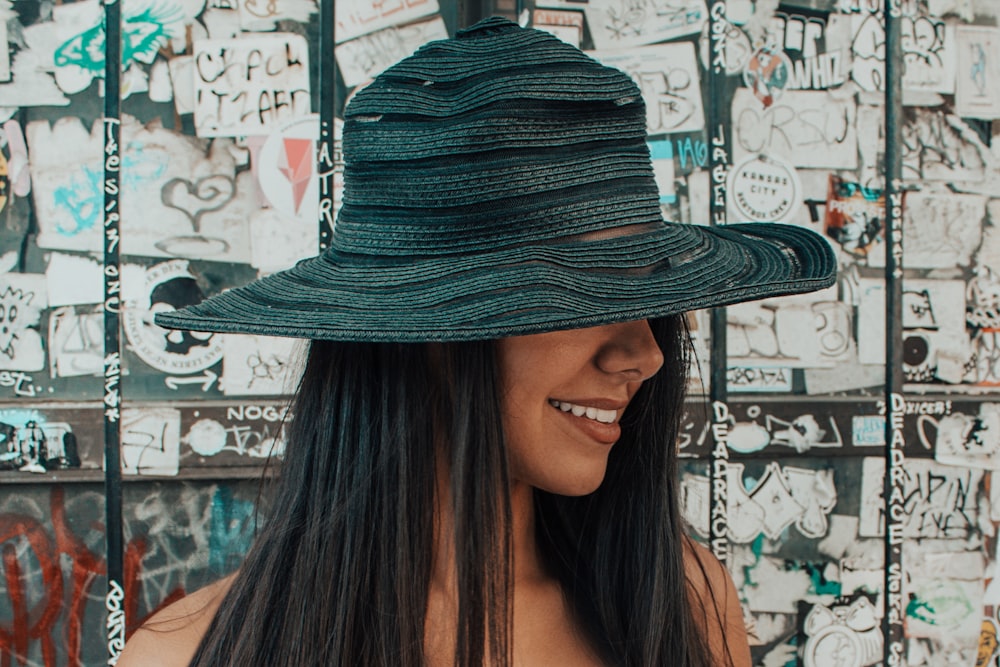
(500, 184)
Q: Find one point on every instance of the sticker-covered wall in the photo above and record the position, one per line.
(220, 164)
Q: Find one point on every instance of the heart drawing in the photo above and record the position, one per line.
(194, 200)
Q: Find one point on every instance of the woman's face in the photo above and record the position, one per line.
(563, 397)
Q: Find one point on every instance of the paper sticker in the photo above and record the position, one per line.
(362, 59)
(669, 78)
(764, 189)
(360, 17)
(166, 287)
(150, 441)
(854, 216)
(942, 230)
(76, 342)
(977, 94)
(251, 85)
(265, 15)
(260, 365)
(22, 299)
(4, 51)
(810, 129)
(567, 26)
(767, 74)
(816, 63)
(929, 50)
(616, 25)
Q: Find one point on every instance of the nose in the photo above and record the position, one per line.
(631, 351)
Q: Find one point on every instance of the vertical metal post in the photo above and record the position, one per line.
(327, 106)
(115, 598)
(895, 403)
(719, 151)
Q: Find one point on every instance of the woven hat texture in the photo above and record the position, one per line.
(500, 184)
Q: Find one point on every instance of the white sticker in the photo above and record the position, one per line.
(764, 189)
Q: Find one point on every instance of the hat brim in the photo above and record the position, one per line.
(535, 288)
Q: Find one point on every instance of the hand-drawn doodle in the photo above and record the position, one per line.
(260, 366)
(940, 501)
(66, 172)
(208, 437)
(961, 439)
(147, 26)
(250, 86)
(617, 24)
(845, 633)
(736, 48)
(783, 496)
(362, 59)
(668, 76)
(160, 288)
(942, 230)
(360, 18)
(810, 129)
(22, 299)
(944, 595)
(941, 147)
(754, 379)
(929, 51)
(150, 441)
(802, 434)
(76, 342)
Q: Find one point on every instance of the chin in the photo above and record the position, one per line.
(575, 487)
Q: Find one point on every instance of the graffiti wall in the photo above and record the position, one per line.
(226, 161)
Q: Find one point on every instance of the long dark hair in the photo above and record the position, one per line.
(339, 574)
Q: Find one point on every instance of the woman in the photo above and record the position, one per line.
(481, 467)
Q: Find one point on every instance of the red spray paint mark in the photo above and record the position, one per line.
(32, 620)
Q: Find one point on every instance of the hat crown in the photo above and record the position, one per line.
(501, 136)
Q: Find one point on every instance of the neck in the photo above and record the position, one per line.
(527, 564)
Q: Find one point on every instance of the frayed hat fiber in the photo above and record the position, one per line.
(500, 184)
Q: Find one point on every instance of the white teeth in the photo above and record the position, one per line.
(603, 416)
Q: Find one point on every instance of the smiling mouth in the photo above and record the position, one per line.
(596, 414)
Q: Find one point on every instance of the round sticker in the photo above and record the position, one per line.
(169, 286)
(764, 189)
(767, 74)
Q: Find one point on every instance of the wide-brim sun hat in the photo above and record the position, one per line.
(500, 184)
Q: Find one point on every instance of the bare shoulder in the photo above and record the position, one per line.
(716, 604)
(171, 637)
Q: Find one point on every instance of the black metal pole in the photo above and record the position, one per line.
(719, 152)
(895, 403)
(115, 599)
(327, 106)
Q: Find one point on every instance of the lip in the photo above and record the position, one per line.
(605, 434)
